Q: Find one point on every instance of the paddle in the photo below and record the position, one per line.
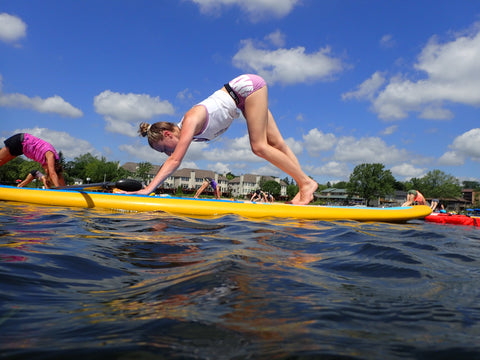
(125, 184)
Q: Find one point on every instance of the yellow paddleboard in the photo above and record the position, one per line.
(208, 207)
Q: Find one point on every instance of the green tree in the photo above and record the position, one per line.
(399, 186)
(292, 190)
(11, 171)
(286, 180)
(341, 185)
(475, 185)
(82, 167)
(25, 167)
(143, 169)
(122, 173)
(78, 167)
(437, 184)
(99, 170)
(322, 187)
(230, 176)
(370, 181)
(414, 184)
(272, 187)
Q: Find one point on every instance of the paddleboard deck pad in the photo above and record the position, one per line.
(207, 207)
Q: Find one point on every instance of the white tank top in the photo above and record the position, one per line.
(221, 111)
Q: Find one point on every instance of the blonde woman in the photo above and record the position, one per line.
(212, 117)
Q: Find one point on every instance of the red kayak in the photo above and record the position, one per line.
(445, 218)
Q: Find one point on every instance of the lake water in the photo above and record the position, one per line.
(94, 284)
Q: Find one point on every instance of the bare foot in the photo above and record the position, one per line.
(305, 195)
(295, 199)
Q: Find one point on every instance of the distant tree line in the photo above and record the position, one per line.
(369, 181)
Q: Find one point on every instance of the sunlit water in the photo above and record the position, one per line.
(92, 284)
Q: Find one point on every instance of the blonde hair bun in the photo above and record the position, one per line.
(143, 129)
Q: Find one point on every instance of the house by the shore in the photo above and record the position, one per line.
(189, 180)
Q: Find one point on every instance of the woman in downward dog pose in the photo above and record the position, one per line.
(35, 175)
(206, 182)
(35, 149)
(415, 197)
(212, 117)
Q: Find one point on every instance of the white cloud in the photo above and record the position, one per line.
(464, 146)
(331, 169)
(390, 130)
(407, 171)
(316, 142)
(70, 147)
(294, 145)
(387, 41)
(184, 95)
(189, 165)
(12, 28)
(54, 104)
(256, 9)
(219, 167)
(451, 74)
(122, 112)
(144, 153)
(367, 89)
(287, 66)
(436, 112)
(468, 143)
(237, 149)
(452, 158)
(276, 38)
(268, 169)
(367, 150)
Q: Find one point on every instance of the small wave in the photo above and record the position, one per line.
(99, 284)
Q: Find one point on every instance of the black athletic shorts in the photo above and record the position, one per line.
(14, 144)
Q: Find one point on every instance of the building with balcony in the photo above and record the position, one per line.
(189, 180)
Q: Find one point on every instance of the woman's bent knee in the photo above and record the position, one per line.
(259, 149)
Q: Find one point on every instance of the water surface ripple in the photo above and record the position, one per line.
(82, 283)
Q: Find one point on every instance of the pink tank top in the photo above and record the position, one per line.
(35, 149)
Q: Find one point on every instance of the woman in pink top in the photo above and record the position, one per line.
(415, 197)
(35, 149)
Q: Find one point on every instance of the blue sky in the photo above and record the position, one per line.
(350, 81)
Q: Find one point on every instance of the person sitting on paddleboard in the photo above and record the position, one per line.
(415, 197)
(35, 175)
(208, 181)
(258, 195)
(212, 117)
(437, 206)
(269, 197)
(35, 149)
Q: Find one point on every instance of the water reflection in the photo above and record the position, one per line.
(97, 283)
